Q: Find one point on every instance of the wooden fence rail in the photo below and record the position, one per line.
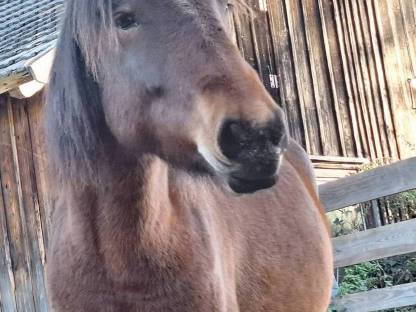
(368, 185)
(377, 299)
(382, 242)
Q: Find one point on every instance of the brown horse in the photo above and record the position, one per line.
(177, 185)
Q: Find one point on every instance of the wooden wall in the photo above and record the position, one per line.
(339, 68)
(396, 22)
(23, 216)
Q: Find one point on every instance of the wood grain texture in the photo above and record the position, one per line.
(329, 142)
(35, 114)
(22, 251)
(361, 104)
(12, 198)
(371, 54)
(30, 210)
(7, 283)
(368, 185)
(364, 68)
(331, 71)
(391, 27)
(356, 99)
(387, 119)
(378, 299)
(303, 76)
(13, 82)
(382, 242)
(288, 93)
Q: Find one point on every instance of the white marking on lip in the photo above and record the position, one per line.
(279, 163)
(212, 160)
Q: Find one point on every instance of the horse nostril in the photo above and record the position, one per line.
(231, 139)
(242, 142)
(275, 137)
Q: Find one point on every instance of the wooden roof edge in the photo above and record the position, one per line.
(26, 83)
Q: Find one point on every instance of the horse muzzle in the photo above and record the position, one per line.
(255, 154)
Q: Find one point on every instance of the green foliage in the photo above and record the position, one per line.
(362, 277)
(405, 201)
(346, 221)
(378, 274)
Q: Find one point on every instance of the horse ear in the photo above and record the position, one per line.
(74, 116)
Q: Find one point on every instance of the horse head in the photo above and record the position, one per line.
(164, 78)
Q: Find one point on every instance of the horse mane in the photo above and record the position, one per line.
(75, 123)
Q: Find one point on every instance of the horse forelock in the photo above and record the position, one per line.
(92, 28)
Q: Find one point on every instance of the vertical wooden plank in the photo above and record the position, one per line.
(261, 66)
(302, 73)
(35, 116)
(347, 79)
(371, 121)
(244, 38)
(286, 74)
(320, 82)
(356, 101)
(263, 47)
(7, 285)
(29, 203)
(368, 48)
(408, 21)
(330, 68)
(359, 78)
(231, 23)
(414, 9)
(376, 213)
(12, 196)
(397, 65)
(381, 82)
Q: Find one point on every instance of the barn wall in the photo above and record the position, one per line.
(23, 217)
(396, 23)
(339, 68)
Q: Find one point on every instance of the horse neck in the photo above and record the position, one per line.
(130, 202)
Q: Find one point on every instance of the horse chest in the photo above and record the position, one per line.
(85, 273)
(146, 287)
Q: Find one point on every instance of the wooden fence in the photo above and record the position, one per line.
(382, 242)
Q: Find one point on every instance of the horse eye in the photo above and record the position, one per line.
(126, 21)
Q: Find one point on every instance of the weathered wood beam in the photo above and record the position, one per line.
(40, 68)
(13, 82)
(26, 90)
(382, 242)
(377, 299)
(342, 43)
(368, 185)
(338, 159)
(28, 82)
